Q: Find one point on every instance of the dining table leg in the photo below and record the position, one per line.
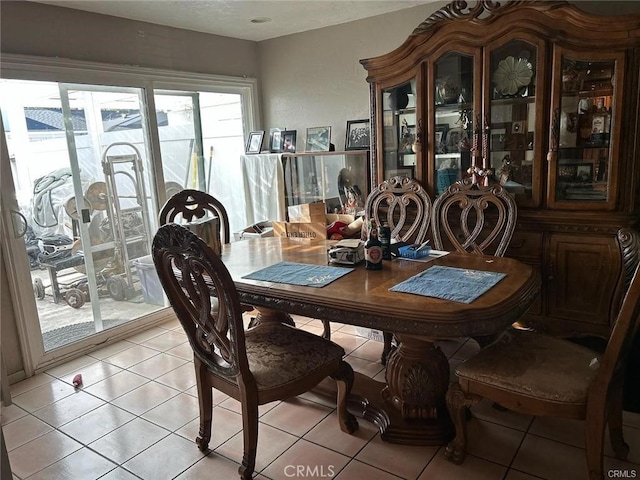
(271, 315)
(417, 379)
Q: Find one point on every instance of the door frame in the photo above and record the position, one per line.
(23, 67)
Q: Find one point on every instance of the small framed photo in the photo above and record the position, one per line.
(288, 140)
(318, 139)
(567, 172)
(584, 173)
(275, 139)
(254, 142)
(440, 134)
(358, 135)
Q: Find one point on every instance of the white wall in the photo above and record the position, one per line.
(30, 28)
(315, 79)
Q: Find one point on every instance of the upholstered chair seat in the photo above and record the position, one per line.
(536, 365)
(276, 357)
(537, 374)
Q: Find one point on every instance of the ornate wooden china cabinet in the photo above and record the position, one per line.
(543, 98)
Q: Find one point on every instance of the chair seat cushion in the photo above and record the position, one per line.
(534, 365)
(279, 354)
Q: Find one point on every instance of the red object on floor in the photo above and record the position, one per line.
(77, 380)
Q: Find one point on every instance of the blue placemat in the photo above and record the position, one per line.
(457, 284)
(299, 274)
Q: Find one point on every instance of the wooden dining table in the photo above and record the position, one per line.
(410, 407)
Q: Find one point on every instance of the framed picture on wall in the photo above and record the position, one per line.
(358, 135)
(288, 140)
(254, 142)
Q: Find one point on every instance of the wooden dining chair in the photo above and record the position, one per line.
(405, 206)
(474, 219)
(271, 361)
(537, 374)
(189, 205)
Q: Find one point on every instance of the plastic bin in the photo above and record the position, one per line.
(152, 291)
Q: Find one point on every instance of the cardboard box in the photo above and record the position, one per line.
(347, 252)
(308, 219)
(257, 230)
(311, 230)
(307, 210)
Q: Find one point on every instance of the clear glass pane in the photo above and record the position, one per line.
(399, 133)
(339, 180)
(201, 136)
(87, 252)
(585, 128)
(513, 117)
(454, 117)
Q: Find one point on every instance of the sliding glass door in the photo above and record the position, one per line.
(80, 164)
(85, 167)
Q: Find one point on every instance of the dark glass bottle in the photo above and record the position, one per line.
(373, 250)
(385, 239)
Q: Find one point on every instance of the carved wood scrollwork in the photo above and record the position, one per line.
(459, 9)
(630, 244)
(417, 377)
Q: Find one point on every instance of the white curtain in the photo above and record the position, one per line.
(263, 187)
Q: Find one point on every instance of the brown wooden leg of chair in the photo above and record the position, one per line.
(250, 436)
(387, 347)
(205, 403)
(326, 333)
(614, 418)
(458, 404)
(594, 440)
(344, 378)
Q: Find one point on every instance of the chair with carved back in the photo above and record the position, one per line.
(405, 206)
(189, 205)
(537, 374)
(474, 219)
(271, 361)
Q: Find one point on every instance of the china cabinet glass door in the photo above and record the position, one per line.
(514, 133)
(400, 130)
(585, 124)
(454, 116)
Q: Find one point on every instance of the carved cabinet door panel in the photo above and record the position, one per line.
(582, 275)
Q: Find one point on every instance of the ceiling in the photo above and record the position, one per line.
(232, 18)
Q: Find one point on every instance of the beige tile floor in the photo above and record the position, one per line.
(137, 414)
